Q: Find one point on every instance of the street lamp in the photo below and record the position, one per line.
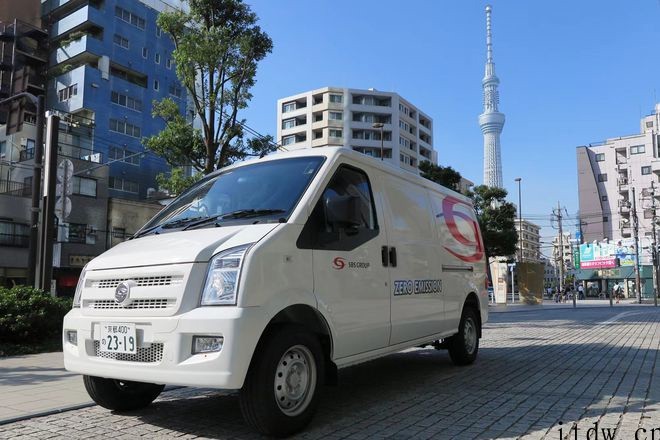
(520, 259)
(380, 125)
(520, 233)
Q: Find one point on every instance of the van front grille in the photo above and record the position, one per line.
(151, 354)
(162, 280)
(153, 303)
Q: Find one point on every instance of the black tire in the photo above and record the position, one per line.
(269, 402)
(464, 345)
(121, 395)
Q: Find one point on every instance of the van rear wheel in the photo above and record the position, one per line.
(121, 395)
(464, 345)
(280, 394)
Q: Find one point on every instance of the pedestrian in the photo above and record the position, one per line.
(616, 290)
(580, 292)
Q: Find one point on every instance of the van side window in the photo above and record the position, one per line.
(345, 215)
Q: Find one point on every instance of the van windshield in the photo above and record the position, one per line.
(267, 191)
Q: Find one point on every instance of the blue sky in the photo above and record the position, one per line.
(571, 72)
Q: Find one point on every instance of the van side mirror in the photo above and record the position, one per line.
(344, 211)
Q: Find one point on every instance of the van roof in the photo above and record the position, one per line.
(334, 153)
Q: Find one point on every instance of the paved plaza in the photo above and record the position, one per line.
(541, 373)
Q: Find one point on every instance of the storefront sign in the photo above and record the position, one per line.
(601, 263)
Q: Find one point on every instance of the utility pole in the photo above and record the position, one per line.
(654, 247)
(636, 237)
(50, 181)
(561, 250)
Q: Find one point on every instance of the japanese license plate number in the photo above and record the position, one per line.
(118, 338)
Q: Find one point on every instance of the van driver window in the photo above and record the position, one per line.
(350, 182)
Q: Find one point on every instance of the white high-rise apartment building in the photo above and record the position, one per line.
(609, 173)
(354, 118)
(528, 236)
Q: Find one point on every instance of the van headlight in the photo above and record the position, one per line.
(221, 285)
(79, 288)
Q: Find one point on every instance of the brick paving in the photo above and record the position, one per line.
(540, 375)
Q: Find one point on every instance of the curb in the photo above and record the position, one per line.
(49, 412)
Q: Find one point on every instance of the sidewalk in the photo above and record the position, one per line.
(36, 384)
(550, 304)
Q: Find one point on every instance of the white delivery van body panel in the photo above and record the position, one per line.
(416, 311)
(364, 257)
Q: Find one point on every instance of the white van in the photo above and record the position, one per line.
(267, 276)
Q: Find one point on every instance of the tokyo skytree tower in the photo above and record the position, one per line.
(491, 120)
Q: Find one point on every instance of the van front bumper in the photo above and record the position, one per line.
(164, 353)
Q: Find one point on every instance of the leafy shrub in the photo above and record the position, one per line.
(29, 315)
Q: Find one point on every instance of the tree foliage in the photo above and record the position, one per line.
(176, 181)
(496, 219)
(218, 45)
(445, 176)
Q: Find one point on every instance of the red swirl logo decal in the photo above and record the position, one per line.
(338, 263)
(450, 214)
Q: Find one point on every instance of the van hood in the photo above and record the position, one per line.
(197, 245)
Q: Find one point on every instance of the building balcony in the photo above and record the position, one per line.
(86, 44)
(83, 19)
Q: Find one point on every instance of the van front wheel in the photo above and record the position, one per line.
(464, 345)
(279, 397)
(121, 395)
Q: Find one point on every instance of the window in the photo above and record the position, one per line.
(322, 232)
(335, 133)
(118, 233)
(84, 186)
(288, 140)
(3, 149)
(120, 41)
(158, 32)
(157, 58)
(168, 63)
(602, 177)
(126, 101)
(145, 53)
(77, 233)
(129, 17)
(128, 156)
(14, 234)
(156, 85)
(637, 149)
(603, 198)
(605, 219)
(175, 91)
(335, 116)
(600, 157)
(288, 123)
(648, 213)
(646, 170)
(125, 128)
(67, 92)
(318, 117)
(123, 185)
(288, 107)
(336, 98)
(649, 124)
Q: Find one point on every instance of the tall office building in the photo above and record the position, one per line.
(491, 120)
(109, 61)
(355, 118)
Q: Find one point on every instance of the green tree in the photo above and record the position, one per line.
(445, 176)
(218, 45)
(496, 219)
(176, 181)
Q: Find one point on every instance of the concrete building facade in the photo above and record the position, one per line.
(529, 237)
(609, 173)
(355, 118)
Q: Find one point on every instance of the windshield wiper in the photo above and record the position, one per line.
(240, 213)
(167, 225)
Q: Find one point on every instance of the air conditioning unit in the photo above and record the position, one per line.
(24, 142)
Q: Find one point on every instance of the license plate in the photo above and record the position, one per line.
(118, 338)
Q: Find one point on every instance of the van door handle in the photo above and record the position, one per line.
(385, 256)
(393, 256)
